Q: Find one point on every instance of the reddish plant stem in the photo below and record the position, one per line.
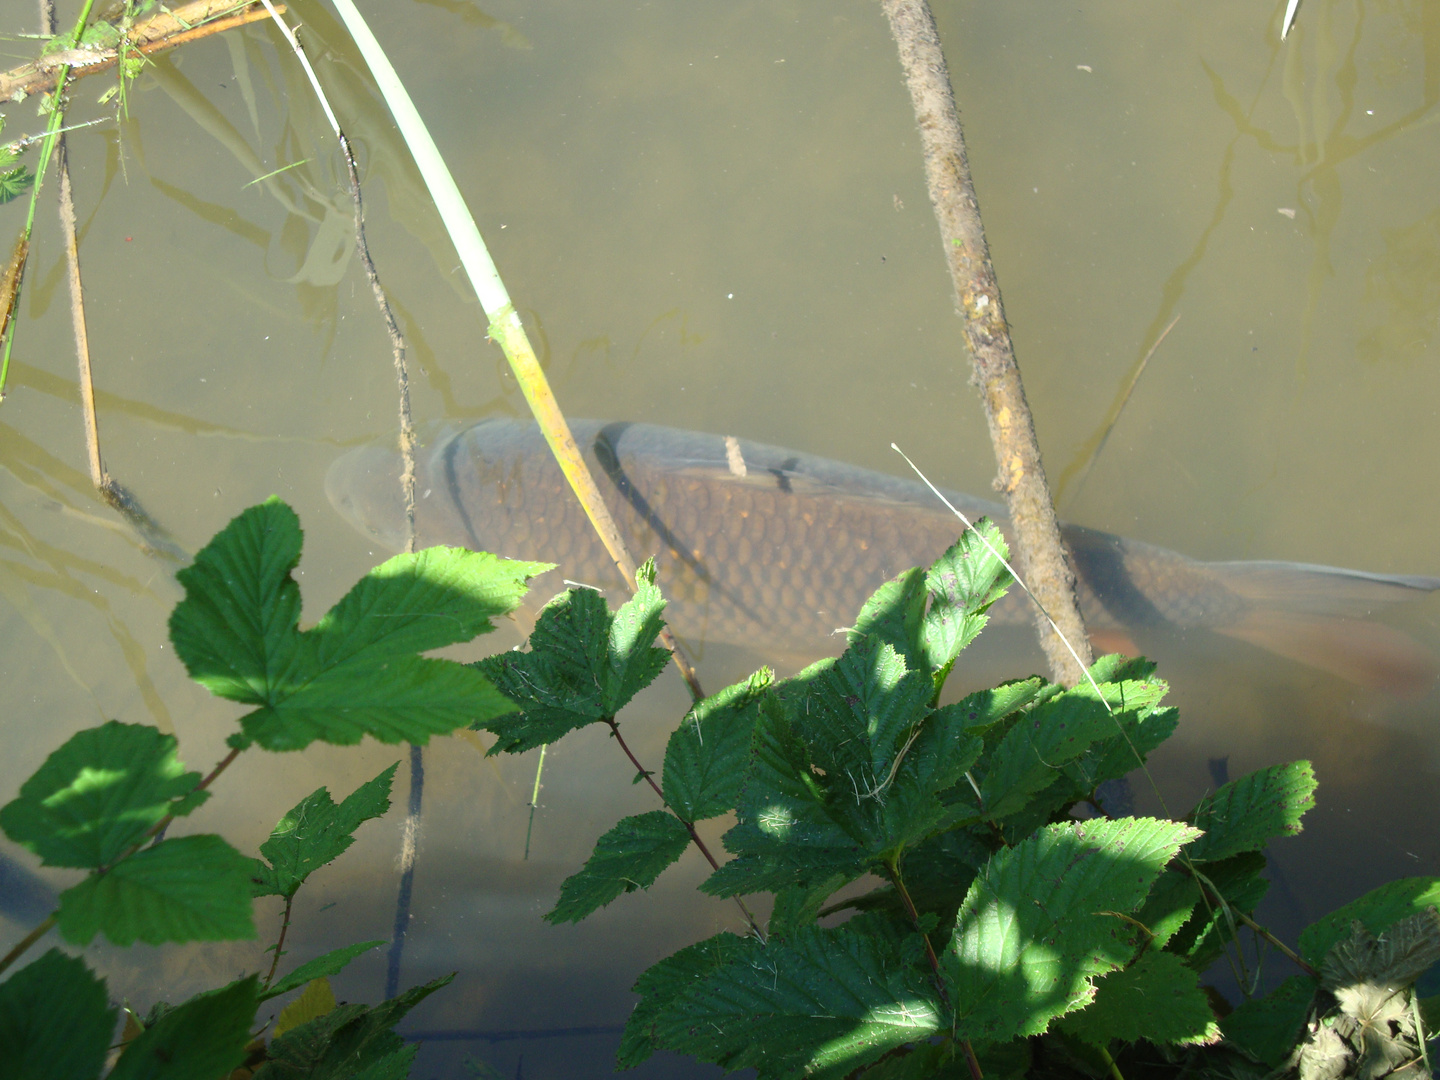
(892, 867)
(689, 825)
(280, 942)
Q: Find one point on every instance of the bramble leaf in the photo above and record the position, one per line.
(895, 614)
(584, 664)
(1043, 919)
(332, 963)
(820, 1004)
(14, 182)
(1267, 1028)
(205, 1036)
(662, 985)
(1377, 910)
(962, 584)
(1156, 998)
(99, 794)
(189, 888)
(1029, 758)
(55, 1020)
(706, 757)
(314, 832)
(628, 857)
(356, 672)
(346, 1041)
(1247, 813)
(984, 709)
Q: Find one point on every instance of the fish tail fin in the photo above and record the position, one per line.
(1319, 616)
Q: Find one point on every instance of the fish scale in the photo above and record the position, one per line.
(780, 548)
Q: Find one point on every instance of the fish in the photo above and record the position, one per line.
(772, 548)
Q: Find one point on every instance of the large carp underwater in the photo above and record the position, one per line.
(775, 549)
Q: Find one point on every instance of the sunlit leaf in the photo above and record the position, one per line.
(190, 888)
(1377, 910)
(14, 182)
(314, 1001)
(1044, 918)
(962, 584)
(314, 832)
(1246, 814)
(99, 794)
(55, 1020)
(584, 664)
(628, 857)
(356, 672)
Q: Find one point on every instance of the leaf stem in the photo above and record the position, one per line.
(280, 942)
(28, 940)
(892, 868)
(689, 825)
(1110, 1061)
(1288, 952)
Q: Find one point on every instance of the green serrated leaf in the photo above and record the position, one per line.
(1041, 921)
(332, 963)
(962, 584)
(1239, 880)
(14, 182)
(1247, 813)
(984, 709)
(205, 1036)
(1267, 1028)
(1157, 998)
(706, 756)
(99, 794)
(345, 1041)
(1377, 910)
(356, 672)
(1029, 758)
(55, 1020)
(314, 832)
(190, 888)
(820, 1004)
(628, 857)
(1395, 958)
(393, 1066)
(236, 630)
(895, 614)
(584, 665)
(661, 986)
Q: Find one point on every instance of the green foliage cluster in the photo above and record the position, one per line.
(1011, 927)
(104, 801)
(1014, 928)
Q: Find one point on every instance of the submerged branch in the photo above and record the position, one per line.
(164, 30)
(1042, 558)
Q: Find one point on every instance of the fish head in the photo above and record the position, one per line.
(364, 486)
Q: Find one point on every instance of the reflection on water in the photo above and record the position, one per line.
(716, 216)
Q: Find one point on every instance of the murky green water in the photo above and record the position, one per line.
(713, 216)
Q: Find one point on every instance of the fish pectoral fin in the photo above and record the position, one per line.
(1104, 642)
(1362, 652)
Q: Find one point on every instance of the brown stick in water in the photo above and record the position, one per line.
(159, 32)
(1041, 557)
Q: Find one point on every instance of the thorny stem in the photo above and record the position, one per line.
(689, 825)
(28, 940)
(892, 868)
(280, 942)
